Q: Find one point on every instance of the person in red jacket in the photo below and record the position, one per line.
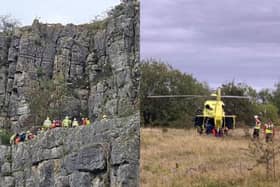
(84, 121)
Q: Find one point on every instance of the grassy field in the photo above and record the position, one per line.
(174, 157)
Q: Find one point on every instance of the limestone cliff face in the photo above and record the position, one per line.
(99, 64)
(98, 61)
(103, 154)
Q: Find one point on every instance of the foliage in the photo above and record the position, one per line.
(265, 96)
(40, 72)
(5, 136)
(117, 10)
(98, 25)
(7, 23)
(244, 109)
(267, 112)
(259, 103)
(263, 154)
(47, 98)
(161, 79)
(276, 96)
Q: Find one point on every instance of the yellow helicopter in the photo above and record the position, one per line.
(212, 117)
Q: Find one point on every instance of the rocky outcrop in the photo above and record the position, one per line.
(98, 62)
(103, 154)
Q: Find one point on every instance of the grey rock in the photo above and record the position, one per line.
(62, 181)
(6, 168)
(19, 178)
(7, 181)
(46, 173)
(91, 158)
(81, 179)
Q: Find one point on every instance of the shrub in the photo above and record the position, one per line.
(5, 136)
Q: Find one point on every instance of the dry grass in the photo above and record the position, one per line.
(175, 157)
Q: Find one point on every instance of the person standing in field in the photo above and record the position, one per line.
(269, 131)
(257, 127)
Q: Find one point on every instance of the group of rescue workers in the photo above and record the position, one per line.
(66, 122)
(48, 124)
(268, 129)
(217, 132)
(21, 137)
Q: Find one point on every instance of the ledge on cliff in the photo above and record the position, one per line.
(103, 154)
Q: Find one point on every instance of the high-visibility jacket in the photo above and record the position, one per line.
(75, 123)
(66, 122)
(258, 124)
(87, 122)
(12, 139)
(47, 123)
(269, 129)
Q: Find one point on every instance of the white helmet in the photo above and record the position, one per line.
(256, 117)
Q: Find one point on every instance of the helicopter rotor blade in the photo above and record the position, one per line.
(196, 96)
(236, 97)
(177, 96)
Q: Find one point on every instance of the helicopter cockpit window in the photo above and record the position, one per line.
(208, 107)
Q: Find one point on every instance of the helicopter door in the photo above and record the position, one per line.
(230, 122)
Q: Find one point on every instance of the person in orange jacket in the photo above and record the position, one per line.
(53, 125)
(17, 140)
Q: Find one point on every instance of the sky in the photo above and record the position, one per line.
(56, 11)
(216, 41)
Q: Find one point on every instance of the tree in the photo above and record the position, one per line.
(265, 96)
(276, 96)
(267, 112)
(244, 109)
(7, 23)
(46, 98)
(159, 78)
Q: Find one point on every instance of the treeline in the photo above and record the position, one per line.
(159, 78)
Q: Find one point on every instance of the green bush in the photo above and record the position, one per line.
(5, 136)
(97, 25)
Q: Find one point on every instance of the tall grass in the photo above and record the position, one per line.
(184, 158)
